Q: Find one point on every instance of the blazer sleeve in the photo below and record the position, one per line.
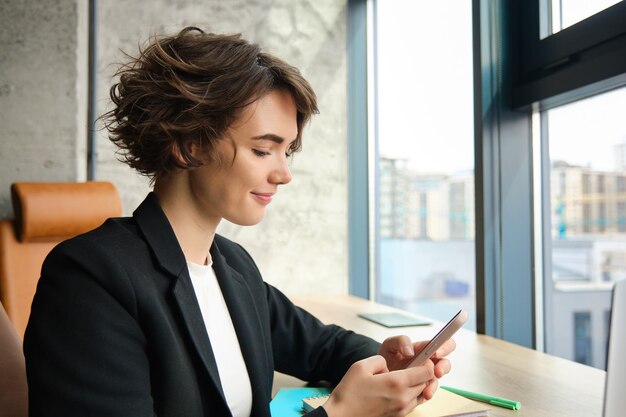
(73, 366)
(306, 348)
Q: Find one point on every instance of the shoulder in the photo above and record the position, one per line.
(107, 251)
(112, 264)
(114, 235)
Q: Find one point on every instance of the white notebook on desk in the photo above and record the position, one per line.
(448, 404)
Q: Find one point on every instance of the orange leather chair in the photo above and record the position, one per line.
(45, 214)
(13, 386)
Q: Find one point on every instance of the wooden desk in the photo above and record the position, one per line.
(547, 386)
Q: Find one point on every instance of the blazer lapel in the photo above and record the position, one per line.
(247, 323)
(160, 235)
(189, 309)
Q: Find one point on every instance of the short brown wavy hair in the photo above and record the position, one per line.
(191, 87)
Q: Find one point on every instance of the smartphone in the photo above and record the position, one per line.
(440, 338)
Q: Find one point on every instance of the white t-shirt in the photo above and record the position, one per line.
(219, 326)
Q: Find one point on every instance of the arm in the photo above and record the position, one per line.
(374, 386)
(306, 348)
(85, 352)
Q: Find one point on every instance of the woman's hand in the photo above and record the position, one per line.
(369, 389)
(398, 352)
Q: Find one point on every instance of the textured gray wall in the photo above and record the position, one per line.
(39, 99)
(301, 245)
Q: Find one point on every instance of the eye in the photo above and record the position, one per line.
(260, 153)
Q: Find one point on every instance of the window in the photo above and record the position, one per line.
(586, 140)
(520, 75)
(425, 139)
(621, 216)
(582, 338)
(557, 65)
(565, 13)
(601, 183)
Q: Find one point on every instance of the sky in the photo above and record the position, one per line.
(574, 11)
(585, 132)
(425, 95)
(425, 91)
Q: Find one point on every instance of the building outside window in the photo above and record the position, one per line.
(425, 184)
(588, 208)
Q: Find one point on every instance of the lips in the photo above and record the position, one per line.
(264, 198)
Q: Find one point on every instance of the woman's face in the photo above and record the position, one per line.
(240, 189)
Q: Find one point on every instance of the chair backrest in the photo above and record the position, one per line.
(13, 387)
(45, 214)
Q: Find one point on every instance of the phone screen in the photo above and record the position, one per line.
(440, 338)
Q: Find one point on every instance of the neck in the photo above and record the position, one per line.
(194, 230)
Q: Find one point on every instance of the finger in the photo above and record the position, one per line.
(416, 375)
(413, 402)
(413, 396)
(430, 363)
(430, 389)
(448, 347)
(442, 367)
(420, 400)
(401, 344)
(418, 346)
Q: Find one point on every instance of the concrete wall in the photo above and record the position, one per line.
(41, 102)
(301, 246)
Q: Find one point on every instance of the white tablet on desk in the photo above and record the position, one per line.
(614, 398)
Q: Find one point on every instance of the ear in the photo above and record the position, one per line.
(178, 155)
(192, 151)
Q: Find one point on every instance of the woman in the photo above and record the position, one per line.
(157, 314)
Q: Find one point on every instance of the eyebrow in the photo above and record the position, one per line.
(271, 137)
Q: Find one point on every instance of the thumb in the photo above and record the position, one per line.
(401, 344)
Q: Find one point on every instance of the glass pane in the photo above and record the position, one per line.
(587, 145)
(426, 259)
(565, 13)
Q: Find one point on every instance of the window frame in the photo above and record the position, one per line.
(360, 256)
(586, 58)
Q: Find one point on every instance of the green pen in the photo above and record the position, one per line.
(500, 402)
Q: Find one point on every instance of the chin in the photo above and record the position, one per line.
(246, 220)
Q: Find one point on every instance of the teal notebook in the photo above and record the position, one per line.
(288, 401)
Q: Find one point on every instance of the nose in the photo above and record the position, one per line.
(281, 174)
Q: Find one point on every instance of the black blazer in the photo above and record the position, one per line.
(116, 329)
